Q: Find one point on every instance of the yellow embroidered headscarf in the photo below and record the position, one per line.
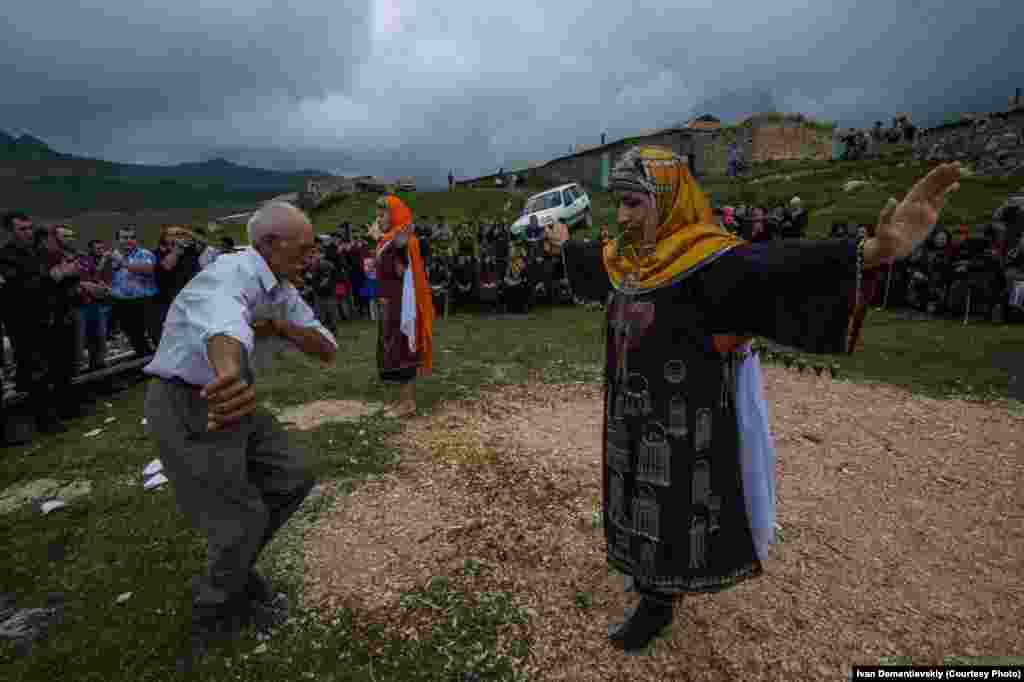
(686, 233)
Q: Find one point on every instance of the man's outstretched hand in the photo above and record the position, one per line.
(229, 398)
(903, 225)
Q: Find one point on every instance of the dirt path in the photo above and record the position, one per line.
(902, 534)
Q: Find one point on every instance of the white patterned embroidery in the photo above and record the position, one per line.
(654, 460)
(700, 484)
(703, 437)
(677, 427)
(675, 371)
(646, 513)
(638, 396)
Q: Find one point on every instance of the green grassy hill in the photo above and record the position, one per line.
(819, 184)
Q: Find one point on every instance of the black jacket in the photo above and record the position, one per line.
(28, 286)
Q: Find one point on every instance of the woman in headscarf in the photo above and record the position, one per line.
(688, 463)
(405, 311)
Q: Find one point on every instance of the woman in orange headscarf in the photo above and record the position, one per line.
(404, 306)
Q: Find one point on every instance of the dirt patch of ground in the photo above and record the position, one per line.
(311, 415)
(901, 534)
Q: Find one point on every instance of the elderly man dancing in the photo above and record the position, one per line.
(233, 470)
(688, 462)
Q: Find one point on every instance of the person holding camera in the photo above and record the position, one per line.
(60, 341)
(178, 256)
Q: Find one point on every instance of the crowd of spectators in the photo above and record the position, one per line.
(61, 304)
(759, 223)
(980, 269)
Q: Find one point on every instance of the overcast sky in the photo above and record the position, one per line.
(418, 86)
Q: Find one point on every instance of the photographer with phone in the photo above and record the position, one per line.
(177, 263)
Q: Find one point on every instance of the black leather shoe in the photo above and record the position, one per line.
(258, 589)
(643, 624)
(212, 625)
(268, 609)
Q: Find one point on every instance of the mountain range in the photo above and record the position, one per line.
(34, 157)
(45, 182)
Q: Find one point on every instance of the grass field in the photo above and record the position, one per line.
(124, 539)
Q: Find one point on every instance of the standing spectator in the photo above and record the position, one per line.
(178, 262)
(733, 160)
(133, 289)
(368, 291)
(451, 180)
(208, 252)
(24, 306)
(354, 253)
(60, 341)
(324, 285)
(758, 228)
(96, 272)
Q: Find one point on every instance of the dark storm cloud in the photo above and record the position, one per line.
(417, 87)
(90, 71)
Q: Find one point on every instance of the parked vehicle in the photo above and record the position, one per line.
(567, 203)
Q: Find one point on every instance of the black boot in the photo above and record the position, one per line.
(643, 624)
(269, 609)
(214, 624)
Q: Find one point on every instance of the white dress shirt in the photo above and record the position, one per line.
(227, 297)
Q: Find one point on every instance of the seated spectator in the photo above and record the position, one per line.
(96, 271)
(929, 274)
(956, 242)
(798, 218)
(840, 230)
(1014, 274)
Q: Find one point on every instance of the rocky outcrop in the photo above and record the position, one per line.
(991, 145)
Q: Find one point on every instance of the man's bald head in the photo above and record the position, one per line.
(280, 220)
(283, 235)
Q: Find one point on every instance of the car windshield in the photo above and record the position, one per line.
(544, 202)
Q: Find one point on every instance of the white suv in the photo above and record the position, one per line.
(568, 204)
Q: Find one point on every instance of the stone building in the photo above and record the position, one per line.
(703, 141)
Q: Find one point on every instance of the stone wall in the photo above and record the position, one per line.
(991, 145)
(586, 168)
(791, 138)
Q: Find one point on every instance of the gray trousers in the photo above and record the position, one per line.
(238, 485)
